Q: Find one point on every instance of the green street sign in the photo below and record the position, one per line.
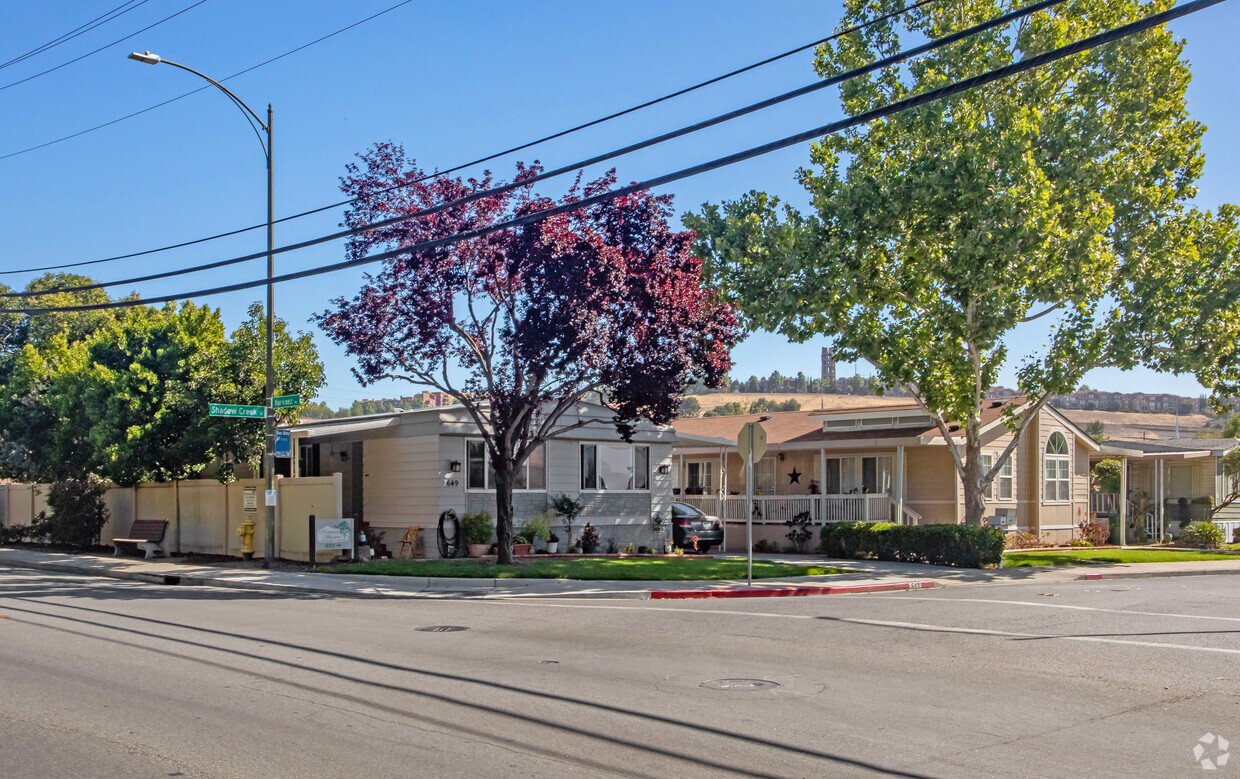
(286, 401)
(230, 410)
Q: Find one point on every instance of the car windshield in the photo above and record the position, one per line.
(685, 510)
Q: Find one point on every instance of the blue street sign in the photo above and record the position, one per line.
(284, 444)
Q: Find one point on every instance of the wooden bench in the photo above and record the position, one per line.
(147, 532)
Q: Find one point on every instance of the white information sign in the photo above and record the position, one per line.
(251, 499)
(270, 497)
(333, 534)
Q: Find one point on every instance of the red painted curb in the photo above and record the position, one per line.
(1089, 577)
(770, 592)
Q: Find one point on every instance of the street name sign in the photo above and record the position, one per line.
(230, 410)
(286, 401)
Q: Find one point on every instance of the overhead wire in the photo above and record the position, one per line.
(914, 101)
(879, 64)
(460, 166)
(101, 48)
(98, 21)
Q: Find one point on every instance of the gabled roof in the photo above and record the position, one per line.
(806, 427)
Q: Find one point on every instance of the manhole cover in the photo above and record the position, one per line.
(441, 628)
(740, 685)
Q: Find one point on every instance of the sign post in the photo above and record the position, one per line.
(751, 443)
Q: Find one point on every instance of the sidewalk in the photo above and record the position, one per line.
(864, 576)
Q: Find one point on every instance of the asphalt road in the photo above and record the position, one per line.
(104, 678)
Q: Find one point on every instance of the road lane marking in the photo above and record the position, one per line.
(920, 626)
(1073, 608)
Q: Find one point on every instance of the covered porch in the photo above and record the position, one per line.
(1163, 487)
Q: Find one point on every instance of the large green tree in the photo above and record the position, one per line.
(1056, 200)
(125, 397)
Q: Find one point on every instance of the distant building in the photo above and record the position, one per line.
(828, 364)
(437, 399)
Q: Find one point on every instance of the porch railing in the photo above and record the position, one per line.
(1104, 502)
(775, 510)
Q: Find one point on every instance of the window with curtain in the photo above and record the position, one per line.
(615, 467)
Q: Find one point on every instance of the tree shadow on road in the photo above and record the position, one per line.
(608, 735)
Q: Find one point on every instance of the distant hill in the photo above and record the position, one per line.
(1122, 425)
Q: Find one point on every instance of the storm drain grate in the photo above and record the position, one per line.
(740, 685)
(441, 629)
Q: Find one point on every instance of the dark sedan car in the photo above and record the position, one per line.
(688, 522)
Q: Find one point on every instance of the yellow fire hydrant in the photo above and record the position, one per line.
(246, 531)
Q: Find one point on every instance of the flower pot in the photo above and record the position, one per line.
(667, 547)
(521, 550)
(553, 547)
(478, 550)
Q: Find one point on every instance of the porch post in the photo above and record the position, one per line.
(900, 484)
(1123, 501)
(1162, 491)
(822, 486)
(680, 480)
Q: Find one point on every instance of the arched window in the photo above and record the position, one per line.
(1058, 470)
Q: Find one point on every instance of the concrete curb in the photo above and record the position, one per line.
(1091, 577)
(772, 592)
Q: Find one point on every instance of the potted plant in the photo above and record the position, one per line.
(569, 509)
(476, 527)
(553, 544)
(589, 539)
(533, 529)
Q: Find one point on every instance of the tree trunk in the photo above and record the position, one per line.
(503, 513)
(974, 502)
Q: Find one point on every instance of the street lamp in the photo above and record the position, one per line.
(751, 443)
(269, 547)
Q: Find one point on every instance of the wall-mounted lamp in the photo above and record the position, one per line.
(665, 469)
(454, 466)
(344, 455)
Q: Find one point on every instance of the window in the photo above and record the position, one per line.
(615, 467)
(700, 478)
(479, 475)
(1005, 480)
(851, 475)
(1057, 470)
(988, 462)
(764, 476)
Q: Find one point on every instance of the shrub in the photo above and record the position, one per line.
(965, 546)
(1235, 536)
(762, 546)
(1022, 539)
(1092, 533)
(799, 532)
(535, 529)
(1203, 534)
(477, 527)
(78, 513)
(14, 534)
(589, 539)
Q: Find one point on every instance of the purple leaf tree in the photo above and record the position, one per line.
(522, 324)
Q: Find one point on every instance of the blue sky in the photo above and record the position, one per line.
(451, 81)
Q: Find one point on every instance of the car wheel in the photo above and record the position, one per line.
(704, 548)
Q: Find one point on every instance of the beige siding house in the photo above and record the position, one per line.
(883, 463)
(407, 467)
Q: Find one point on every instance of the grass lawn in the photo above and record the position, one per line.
(587, 568)
(1086, 556)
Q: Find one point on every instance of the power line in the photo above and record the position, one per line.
(894, 59)
(173, 100)
(98, 21)
(454, 168)
(973, 82)
(101, 48)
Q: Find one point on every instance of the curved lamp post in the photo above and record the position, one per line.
(269, 546)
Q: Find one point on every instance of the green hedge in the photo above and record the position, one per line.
(965, 546)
